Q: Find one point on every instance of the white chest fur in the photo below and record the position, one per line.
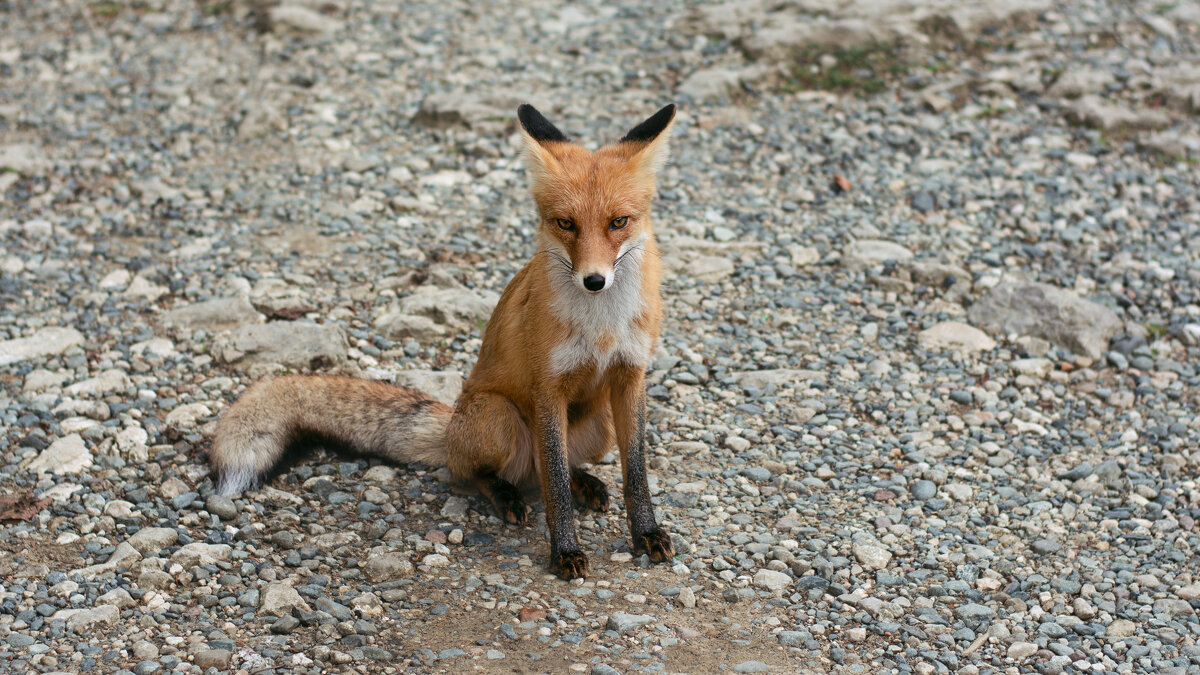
(603, 330)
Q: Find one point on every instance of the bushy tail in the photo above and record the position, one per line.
(368, 417)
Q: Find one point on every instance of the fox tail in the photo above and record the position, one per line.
(367, 417)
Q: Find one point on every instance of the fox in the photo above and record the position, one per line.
(560, 376)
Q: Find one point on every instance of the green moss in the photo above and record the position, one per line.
(866, 70)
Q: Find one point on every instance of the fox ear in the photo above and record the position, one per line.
(650, 140)
(538, 133)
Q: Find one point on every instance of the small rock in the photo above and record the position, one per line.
(213, 658)
(221, 506)
(624, 623)
(65, 455)
(871, 556)
(1121, 628)
(772, 580)
(278, 599)
(387, 567)
(955, 335)
(1019, 651)
(150, 540)
(1045, 546)
(199, 553)
(869, 252)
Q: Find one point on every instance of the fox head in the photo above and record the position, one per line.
(594, 207)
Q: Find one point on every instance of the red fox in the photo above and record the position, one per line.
(560, 375)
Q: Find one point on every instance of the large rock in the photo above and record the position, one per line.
(46, 342)
(443, 385)
(1095, 112)
(301, 345)
(68, 454)
(490, 110)
(955, 335)
(835, 25)
(298, 20)
(95, 618)
(106, 381)
(713, 83)
(868, 252)
(23, 158)
(1040, 310)
(399, 326)
(456, 308)
(1081, 80)
(212, 315)
(777, 377)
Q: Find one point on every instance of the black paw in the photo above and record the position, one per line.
(656, 543)
(510, 504)
(589, 491)
(569, 565)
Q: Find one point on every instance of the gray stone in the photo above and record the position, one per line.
(1095, 112)
(94, 619)
(622, 622)
(279, 599)
(955, 335)
(199, 553)
(772, 580)
(751, 667)
(387, 567)
(399, 326)
(1044, 311)
(153, 539)
(292, 344)
(442, 385)
(1045, 546)
(221, 506)
(212, 315)
(295, 19)
(872, 556)
(45, 342)
(974, 612)
(65, 455)
(460, 310)
(869, 252)
(213, 658)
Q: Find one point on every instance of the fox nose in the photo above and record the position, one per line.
(594, 282)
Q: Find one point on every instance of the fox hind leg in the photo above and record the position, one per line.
(489, 446)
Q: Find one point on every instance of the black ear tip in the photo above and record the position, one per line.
(536, 125)
(651, 128)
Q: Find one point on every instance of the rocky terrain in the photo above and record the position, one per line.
(925, 399)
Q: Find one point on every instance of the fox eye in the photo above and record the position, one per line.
(565, 224)
(618, 223)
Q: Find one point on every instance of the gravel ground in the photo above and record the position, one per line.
(926, 395)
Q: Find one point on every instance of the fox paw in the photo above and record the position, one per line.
(589, 491)
(569, 565)
(509, 503)
(656, 543)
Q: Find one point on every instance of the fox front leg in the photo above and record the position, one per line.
(629, 417)
(566, 558)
